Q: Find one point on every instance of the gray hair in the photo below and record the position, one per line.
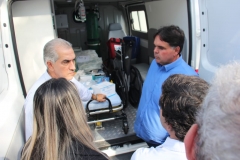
(49, 50)
(219, 117)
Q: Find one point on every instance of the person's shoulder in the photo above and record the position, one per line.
(80, 150)
(188, 70)
(143, 153)
(35, 85)
(184, 68)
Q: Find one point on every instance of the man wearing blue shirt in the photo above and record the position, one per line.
(168, 43)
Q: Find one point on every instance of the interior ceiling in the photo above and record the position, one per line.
(83, 0)
(64, 3)
(120, 2)
(88, 1)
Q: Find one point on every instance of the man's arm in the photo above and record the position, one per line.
(86, 94)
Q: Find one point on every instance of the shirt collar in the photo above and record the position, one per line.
(173, 64)
(173, 144)
(47, 76)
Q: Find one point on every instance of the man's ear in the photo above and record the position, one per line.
(177, 50)
(50, 65)
(190, 143)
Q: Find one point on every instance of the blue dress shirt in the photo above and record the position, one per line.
(147, 124)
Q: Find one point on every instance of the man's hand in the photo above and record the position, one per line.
(99, 97)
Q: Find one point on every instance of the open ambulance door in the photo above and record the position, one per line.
(220, 35)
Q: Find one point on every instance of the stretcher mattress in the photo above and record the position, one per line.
(95, 105)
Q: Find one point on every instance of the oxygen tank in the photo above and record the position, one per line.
(93, 39)
(92, 26)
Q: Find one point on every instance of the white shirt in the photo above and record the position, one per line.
(171, 149)
(84, 94)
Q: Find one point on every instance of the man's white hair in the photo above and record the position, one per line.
(219, 117)
(49, 50)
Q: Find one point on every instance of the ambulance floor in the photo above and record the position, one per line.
(111, 132)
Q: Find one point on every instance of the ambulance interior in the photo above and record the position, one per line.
(27, 25)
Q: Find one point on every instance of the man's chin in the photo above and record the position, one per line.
(70, 77)
(158, 61)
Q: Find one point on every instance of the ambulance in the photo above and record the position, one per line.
(212, 39)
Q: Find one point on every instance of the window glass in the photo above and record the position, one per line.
(139, 21)
(142, 18)
(135, 21)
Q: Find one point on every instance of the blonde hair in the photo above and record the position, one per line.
(59, 120)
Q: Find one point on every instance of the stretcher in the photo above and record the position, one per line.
(112, 104)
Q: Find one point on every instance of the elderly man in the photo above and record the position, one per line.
(168, 43)
(180, 100)
(217, 130)
(59, 58)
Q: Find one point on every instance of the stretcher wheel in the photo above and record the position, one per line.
(125, 127)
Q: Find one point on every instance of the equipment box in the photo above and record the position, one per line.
(105, 87)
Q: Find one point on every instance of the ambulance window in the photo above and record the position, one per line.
(139, 21)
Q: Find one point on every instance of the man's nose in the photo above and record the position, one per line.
(155, 50)
(72, 65)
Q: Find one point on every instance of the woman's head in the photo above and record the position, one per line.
(57, 107)
(59, 119)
